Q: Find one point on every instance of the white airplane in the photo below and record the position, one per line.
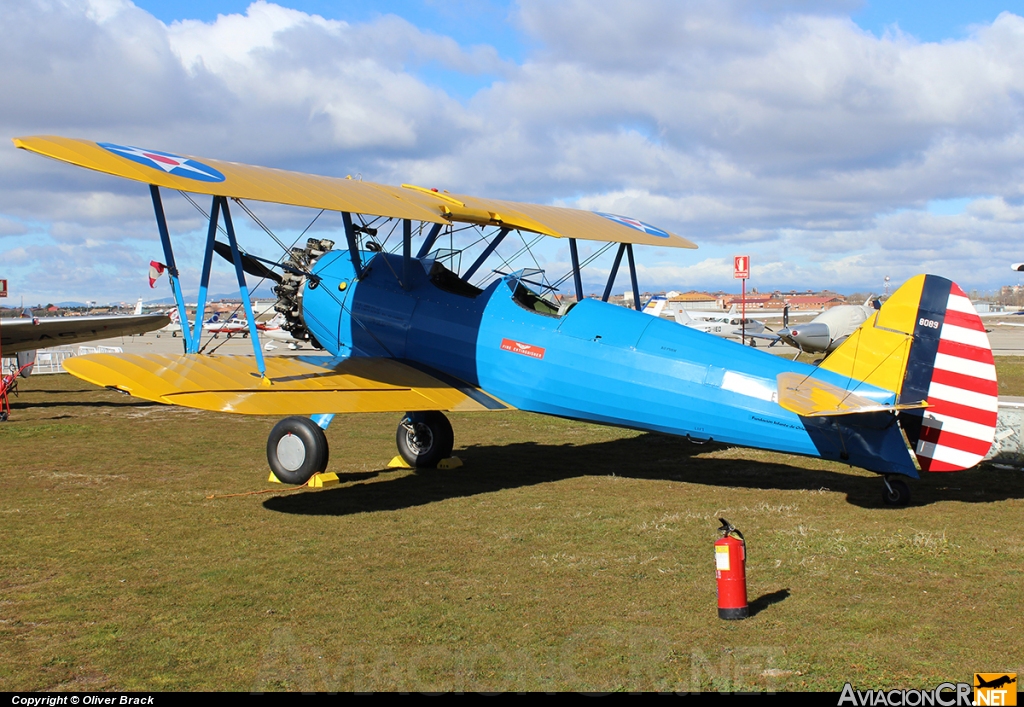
(828, 330)
(234, 325)
(729, 325)
(213, 325)
(274, 329)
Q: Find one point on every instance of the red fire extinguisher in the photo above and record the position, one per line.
(731, 572)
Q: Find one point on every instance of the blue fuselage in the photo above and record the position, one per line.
(596, 362)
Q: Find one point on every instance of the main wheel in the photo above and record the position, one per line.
(895, 493)
(424, 438)
(297, 449)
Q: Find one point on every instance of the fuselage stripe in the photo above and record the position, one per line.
(934, 465)
(965, 366)
(958, 426)
(963, 319)
(938, 391)
(954, 379)
(959, 303)
(971, 353)
(963, 412)
(944, 438)
(947, 454)
(961, 335)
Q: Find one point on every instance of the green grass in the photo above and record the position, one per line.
(562, 556)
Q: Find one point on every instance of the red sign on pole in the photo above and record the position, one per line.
(741, 267)
(3, 288)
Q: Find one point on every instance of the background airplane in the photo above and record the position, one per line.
(729, 325)
(274, 329)
(21, 337)
(826, 332)
(30, 333)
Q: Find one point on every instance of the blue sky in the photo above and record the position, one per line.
(834, 142)
(931, 21)
(481, 21)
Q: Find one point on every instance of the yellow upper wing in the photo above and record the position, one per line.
(297, 386)
(241, 181)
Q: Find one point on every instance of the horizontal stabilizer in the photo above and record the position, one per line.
(294, 385)
(810, 397)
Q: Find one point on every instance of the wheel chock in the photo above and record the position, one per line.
(318, 481)
(450, 463)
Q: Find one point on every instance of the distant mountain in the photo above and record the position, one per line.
(263, 294)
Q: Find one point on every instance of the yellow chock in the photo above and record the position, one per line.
(450, 463)
(274, 480)
(318, 481)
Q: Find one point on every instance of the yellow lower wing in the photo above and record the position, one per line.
(294, 386)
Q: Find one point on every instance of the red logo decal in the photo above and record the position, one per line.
(521, 348)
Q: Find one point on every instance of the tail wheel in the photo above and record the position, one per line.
(296, 449)
(424, 438)
(895, 493)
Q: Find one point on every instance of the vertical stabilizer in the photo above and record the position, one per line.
(928, 344)
(956, 430)
(655, 306)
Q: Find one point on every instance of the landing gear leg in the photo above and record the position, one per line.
(296, 449)
(895, 493)
(424, 438)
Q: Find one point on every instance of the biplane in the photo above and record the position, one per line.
(406, 331)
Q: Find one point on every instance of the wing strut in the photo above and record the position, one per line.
(406, 252)
(243, 290)
(172, 269)
(204, 282)
(353, 247)
(435, 231)
(613, 273)
(486, 254)
(632, 276)
(575, 255)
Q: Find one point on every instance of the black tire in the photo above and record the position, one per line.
(896, 493)
(327, 448)
(424, 439)
(296, 449)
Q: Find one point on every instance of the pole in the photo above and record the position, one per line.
(743, 313)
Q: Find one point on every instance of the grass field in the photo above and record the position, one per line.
(562, 556)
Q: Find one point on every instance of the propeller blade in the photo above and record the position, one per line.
(249, 263)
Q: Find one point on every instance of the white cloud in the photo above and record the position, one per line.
(776, 127)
